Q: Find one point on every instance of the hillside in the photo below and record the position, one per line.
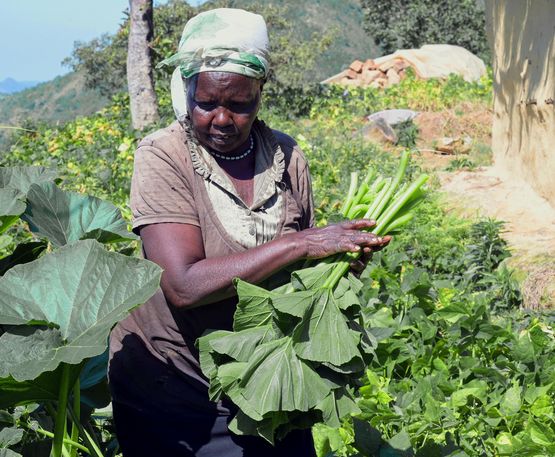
(60, 100)
(10, 85)
(320, 16)
(64, 98)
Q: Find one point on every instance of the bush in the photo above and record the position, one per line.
(402, 24)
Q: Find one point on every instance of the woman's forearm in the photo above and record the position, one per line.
(190, 279)
(210, 280)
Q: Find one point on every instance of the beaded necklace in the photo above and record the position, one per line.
(242, 156)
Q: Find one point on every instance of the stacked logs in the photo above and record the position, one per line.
(371, 74)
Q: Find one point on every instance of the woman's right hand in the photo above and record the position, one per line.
(347, 236)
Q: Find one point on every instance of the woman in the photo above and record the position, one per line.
(215, 196)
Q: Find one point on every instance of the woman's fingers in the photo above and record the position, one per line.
(348, 236)
(357, 224)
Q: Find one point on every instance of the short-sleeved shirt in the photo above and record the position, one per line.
(176, 180)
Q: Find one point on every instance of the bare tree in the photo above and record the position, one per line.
(142, 98)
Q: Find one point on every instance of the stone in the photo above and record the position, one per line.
(392, 77)
(356, 66)
(370, 75)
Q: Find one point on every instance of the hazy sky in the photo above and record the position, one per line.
(36, 35)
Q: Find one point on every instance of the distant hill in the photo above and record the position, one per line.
(62, 99)
(351, 41)
(65, 97)
(11, 86)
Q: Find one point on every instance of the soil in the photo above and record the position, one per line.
(488, 192)
(485, 191)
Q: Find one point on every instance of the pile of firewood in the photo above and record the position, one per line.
(371, 74)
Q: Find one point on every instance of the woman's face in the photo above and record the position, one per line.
(222, 107)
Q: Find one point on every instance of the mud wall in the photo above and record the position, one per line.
(522, 35)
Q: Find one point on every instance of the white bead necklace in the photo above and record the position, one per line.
(242, 156)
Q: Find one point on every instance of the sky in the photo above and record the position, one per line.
(36, 35)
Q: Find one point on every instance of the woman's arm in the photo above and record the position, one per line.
(189, 279)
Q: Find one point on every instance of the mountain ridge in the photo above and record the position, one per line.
(10, 85)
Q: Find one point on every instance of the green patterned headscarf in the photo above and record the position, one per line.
(222, 39)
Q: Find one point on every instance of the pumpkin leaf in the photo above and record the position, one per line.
(64, 217)
(22, 178)
(277, 380)
(79, 292)
(312, 334)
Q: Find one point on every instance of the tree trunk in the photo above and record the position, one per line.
(142, 98)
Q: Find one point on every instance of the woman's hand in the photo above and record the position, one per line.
(348, 236)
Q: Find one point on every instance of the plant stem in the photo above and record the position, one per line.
(392, 210)
(352, 190)
(77, 410)
(48, 434)
(405, 156)
(94, 449)
(61, 414)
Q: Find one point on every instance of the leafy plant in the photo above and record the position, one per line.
(407, 133)
(460, 163)
(297, 351)
(486, 251)
(57, 309)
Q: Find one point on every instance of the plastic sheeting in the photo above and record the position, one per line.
(439, 61)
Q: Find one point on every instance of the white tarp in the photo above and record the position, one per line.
(439, 61)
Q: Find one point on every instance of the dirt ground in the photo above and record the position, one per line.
(488, 192)
(485, 191)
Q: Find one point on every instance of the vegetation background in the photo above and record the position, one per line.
(459, 368)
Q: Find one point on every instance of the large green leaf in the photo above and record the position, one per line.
(241, 345)
(296, 303)
(12, 205)
(63, 217)
(22, 178)
(209, 362)
(337, 405)
(254, 308)
(277, 380)
(323, 335)
(313, 277)
(82, 290)
(24, 253)
(46, 387)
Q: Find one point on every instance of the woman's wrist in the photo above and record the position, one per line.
(295, 247)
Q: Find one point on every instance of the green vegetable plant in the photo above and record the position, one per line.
(59, 298)
(297, 351)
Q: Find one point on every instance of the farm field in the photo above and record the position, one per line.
(458, 366)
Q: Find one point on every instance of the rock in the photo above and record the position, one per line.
(351, 74)
(456, 145)
(356, 66)
(400, 65)
(351, 82)
(380, 131)
(387, 65)
(393, 77)
(369, 76)
(369, 65)
(393, 116)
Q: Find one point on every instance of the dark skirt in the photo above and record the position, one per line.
(160, 412)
